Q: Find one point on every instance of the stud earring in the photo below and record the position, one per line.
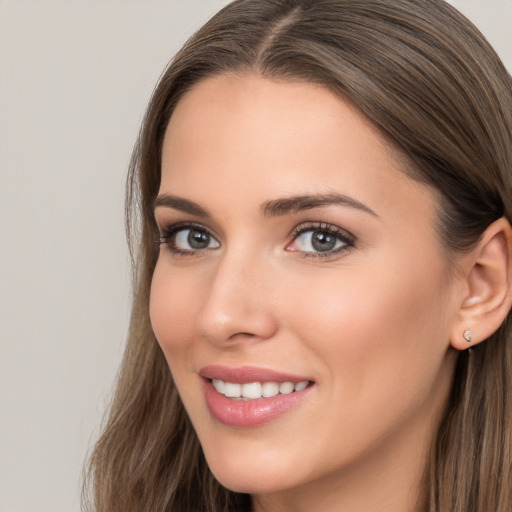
(467, 335)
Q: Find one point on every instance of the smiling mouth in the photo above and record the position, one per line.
(257, 390)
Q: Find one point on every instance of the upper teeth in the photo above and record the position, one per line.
(253, 390)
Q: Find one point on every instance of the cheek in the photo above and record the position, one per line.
(373, 324)
(372, 338)
(171, 309)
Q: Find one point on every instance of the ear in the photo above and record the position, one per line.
(488, 294)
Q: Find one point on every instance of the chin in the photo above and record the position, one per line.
(245, 474)
(249, 483)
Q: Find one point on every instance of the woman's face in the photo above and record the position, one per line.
(296, 255)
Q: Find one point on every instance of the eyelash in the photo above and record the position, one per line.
(167, 237)
(348, 240)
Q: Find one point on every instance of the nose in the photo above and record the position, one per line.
(237, 306)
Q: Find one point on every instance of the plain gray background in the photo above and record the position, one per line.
(75, 77)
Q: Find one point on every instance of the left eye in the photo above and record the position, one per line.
(318, 240)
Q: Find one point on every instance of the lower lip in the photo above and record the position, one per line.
(250, 413)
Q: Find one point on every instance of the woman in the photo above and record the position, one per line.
(322, 281)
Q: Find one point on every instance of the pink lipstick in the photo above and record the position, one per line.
(248, 396)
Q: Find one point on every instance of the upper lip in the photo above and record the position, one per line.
(246, 374)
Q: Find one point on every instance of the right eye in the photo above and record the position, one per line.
(188, 239)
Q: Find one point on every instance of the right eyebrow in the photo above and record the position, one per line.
(178, 203)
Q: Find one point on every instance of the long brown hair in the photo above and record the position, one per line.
(430, 81)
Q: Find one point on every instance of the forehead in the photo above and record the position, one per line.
(262, 139)
(251, 115)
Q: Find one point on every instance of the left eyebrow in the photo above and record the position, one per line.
(288, 205)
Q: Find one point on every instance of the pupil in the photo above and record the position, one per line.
(198, 239)
(323, 241)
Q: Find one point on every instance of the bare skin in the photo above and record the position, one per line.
(352, 291)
